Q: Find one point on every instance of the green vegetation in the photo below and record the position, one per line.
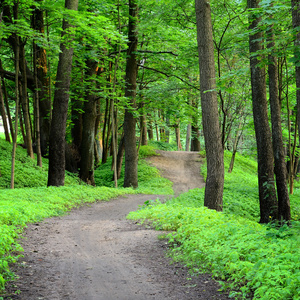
(253, 260)
(27, 173)
(32, 201)
(150, 181)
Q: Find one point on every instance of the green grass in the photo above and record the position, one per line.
(252, 260)
(27, 173)
(32, 201)
(149, 178)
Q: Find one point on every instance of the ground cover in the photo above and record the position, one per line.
(31, 201)
(253, 260)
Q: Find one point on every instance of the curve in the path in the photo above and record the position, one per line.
(181, 167)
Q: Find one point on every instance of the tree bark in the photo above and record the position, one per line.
(86, 172)
(188, 137)
(209, 102)
(56, 172)
(131, 174)
(296, 25)
(284, 210)
(43, 83)
(120, 156)
(267, 194)
(25, 104)
(3, 115)
(13, 159)
(37, 107)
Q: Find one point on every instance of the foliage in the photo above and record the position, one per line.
(27, 173)
(150, 180)
(21, 206)
(263, 259)
(260, 261)
(163, 145)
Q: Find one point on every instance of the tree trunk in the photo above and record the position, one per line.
(209, 102)
(284, 210)
(43, 82)
(188, 137)
(177, 134)
(37, 107)
(131, 174)
(25, 104)
(234, 148)
(296, 25)
(195, 140)
(150, 130)
(267, 194)
(3, 115)
(13, 157)
(56, 173)
(143, 126)
(86, 172)
(11, 127)
(106, 132)
(120, 156)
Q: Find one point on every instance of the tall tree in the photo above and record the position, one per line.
(296, 25)
(209, 103)
(284, 210)
(86, 171)
(267, 193)
(56, 172)
(131, 176)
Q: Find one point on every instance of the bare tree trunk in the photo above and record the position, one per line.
(11, 127)
(43, 82)
(296, 25)
(150, 129)
(120, 156)
(143, 125)
(177, 133)
(3, 115)
(56, 173)
(188, 137)
(37, 107)
(267, 193)
(131, 174)
(209, 102)
(13, 159)
(25, 104)
(86, 171)
(234, 148)
(284, 210)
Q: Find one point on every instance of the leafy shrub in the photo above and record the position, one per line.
(27, 173)
(150, 180)
(21, 206)
(257, 260)
(163, 145)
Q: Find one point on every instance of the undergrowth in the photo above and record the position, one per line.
(22, 206)
(251, 260)
(32, 201)
(149, 179)
(27, 173)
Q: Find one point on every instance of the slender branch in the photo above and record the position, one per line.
(146, 51)
(169, 75)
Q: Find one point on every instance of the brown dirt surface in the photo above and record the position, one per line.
(94, 253)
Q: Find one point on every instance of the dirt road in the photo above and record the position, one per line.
(94, 253)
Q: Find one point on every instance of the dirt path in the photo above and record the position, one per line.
(94, 253)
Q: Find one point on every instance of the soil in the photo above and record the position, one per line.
(94, 253)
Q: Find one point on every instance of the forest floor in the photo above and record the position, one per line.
(94, 253)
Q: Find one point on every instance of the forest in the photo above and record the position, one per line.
(89, 88)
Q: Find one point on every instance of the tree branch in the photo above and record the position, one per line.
(146, 51)
(170, 75)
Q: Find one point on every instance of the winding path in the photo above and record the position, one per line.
(94, 253)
